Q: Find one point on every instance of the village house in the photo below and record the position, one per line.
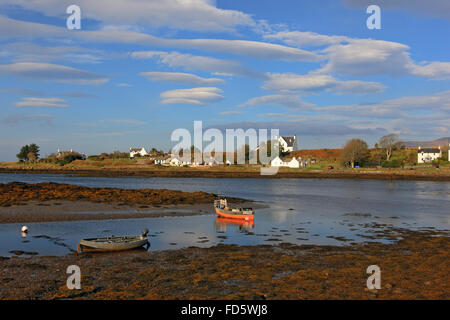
(61, 153)
(290, 163)
(288, 144)
(138, 152)
(162, 160)
(428, 155)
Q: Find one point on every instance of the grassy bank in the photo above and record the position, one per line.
(117, 168)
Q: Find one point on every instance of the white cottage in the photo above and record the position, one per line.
(138, 152)
(288, 144)
(175, 162)
(427, 155)
(278, 162)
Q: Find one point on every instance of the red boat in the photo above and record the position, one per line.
(223, 210)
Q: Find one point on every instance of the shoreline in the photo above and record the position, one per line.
(410, 175)
(414, 267)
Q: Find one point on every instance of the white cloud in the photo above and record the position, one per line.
(197, 96)
(181, 78)
(41, 102)
(403, 107)
(198, 15)
(305, 38)
(290, 82)
(288, 101)
(230, 112)
(29, 52)
(251, 49)
(52, 72)
(191, 62)
(361, 57)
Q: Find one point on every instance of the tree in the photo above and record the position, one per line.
(35, 149)
(23, 153)
(31, 156)
(355, 150)
(26, 151)
(389, 143)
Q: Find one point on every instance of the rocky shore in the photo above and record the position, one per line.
(416, 266)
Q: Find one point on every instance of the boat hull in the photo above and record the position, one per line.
(111, 244)
(230, 215)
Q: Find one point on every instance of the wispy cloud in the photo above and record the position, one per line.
(198, 15)
(42, 119)
(288, 101)
(41, 103)
(52, 72)
(180, 78)
(191, 62)
(196, 96)
(230, 112)
(310, 83)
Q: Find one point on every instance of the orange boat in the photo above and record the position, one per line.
(222, 223)
(223, 210)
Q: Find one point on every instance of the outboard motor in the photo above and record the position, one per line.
(144, 233)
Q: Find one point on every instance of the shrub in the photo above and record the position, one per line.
(391, 164)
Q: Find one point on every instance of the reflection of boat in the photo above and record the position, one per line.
(222, 223)
(223, 210)
(113, 243)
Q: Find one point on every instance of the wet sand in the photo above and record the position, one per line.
(47, 202)
(415, 267)
(52, 211)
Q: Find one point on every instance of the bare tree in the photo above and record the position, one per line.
(355, 150)
(389, 143)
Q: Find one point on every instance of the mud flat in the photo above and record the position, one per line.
(416, 266)
(47, 202)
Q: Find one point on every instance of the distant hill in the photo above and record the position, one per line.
(434, 143)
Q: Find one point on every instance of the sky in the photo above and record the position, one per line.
(137, 70)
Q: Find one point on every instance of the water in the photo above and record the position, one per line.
(301, 211)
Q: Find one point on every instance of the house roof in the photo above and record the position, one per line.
(429, 150)
(289, 141)
(135, 149)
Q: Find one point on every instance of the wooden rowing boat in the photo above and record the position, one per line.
(113, 243)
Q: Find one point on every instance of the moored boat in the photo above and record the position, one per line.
(223, 210)
(113, 243)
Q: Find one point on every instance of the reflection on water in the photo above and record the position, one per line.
(221, 224)
(301, 211)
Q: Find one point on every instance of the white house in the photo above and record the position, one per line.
(292, 163)
(175, 162)
(288, 144)
(427, 155)
(136, 151)
(163, 160)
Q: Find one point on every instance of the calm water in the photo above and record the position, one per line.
(301, 211)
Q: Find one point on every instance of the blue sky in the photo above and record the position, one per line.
(137, 70)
